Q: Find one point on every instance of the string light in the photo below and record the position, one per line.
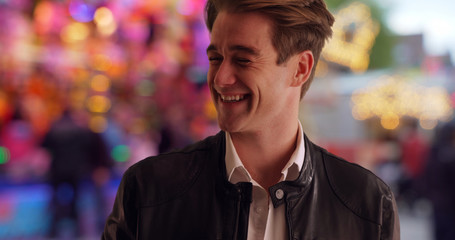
(392, 97)
(354, 33)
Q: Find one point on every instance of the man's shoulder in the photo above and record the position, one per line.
(166, 176)
(354, 176)
(175, 159)
(357, 187)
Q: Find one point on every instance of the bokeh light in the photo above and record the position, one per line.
(81, 11)
(392, 97)
(98, 104)
(98, 124)
(390, 120)
(4, 155)
(354, 33)
(75, 32)
(105, 21)
(101, 62)
(121, 153)
(43, 16)
(100, 83)
(103, 17)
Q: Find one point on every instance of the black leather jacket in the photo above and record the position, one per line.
(185, 194)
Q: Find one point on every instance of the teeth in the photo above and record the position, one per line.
(233, 98)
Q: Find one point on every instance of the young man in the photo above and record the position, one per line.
(260, 177)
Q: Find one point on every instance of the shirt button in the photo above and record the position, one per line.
(279, 194)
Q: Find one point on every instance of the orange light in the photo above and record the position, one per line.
(101, 62)
(98, 104)
(74, 32)
(98, 124)
(100, 83)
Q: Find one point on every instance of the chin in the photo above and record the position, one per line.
(229, 127)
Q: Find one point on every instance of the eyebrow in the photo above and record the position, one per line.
(240, 48)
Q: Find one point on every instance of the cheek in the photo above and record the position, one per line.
(211, 75)
(209, 79)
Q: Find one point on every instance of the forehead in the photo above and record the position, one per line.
(241, 29)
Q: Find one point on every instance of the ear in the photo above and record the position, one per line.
(304, 67)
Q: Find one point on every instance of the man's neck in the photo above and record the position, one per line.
(265, 153)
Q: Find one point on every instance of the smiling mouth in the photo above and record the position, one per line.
(232, 98)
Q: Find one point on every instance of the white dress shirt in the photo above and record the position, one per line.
(265, 221)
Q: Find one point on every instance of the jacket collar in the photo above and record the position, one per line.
(236, 171)
(290, 189)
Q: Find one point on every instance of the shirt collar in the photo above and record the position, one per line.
(236, 172)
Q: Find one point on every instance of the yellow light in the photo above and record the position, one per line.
(74, 32)
(351, 47)
(99, 104)
(437, 104)
(103, 17)
(98, 124)
(391, 98)
(107, 30)
(100, 83)
(361, 112)
(105, 22)
(428, 124)
(390, 121)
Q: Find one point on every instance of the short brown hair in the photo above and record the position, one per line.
(299, 25)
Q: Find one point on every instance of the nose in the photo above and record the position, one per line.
(224, 75)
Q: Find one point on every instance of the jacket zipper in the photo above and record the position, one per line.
(238, 215)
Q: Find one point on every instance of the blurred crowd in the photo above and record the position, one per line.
(426, 176)
(143, 83)
(80, 101)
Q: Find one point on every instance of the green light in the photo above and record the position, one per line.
(121, 153)
(4, 155)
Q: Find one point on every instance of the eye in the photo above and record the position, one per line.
(243, 61)
(215, 59)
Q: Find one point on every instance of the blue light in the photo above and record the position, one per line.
(81, 11)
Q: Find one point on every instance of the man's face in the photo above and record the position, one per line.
(250, 91)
